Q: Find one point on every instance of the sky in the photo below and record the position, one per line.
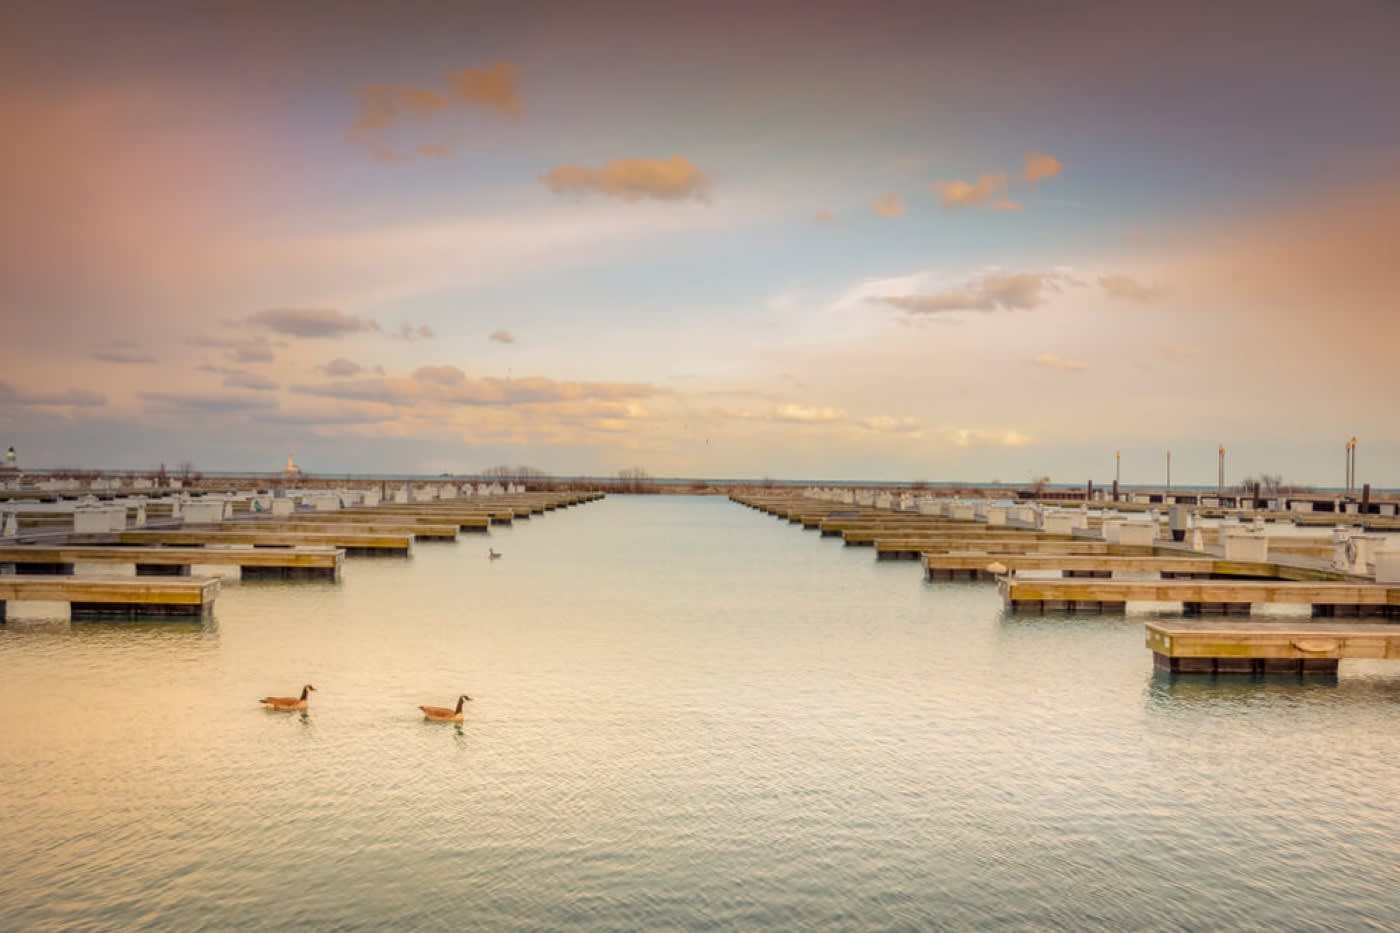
(878, 241)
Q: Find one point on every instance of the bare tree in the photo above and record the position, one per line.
(633, 479)
(519, 473)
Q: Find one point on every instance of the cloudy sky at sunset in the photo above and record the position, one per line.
(870, 241)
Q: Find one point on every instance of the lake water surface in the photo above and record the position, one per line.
(686, 715)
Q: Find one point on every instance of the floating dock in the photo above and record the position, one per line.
(53, 597)
(1236, 648)
(353, 543)
(1197, 597)
(227, 562)
(418, 532)
(1088, 570)
(974, 566)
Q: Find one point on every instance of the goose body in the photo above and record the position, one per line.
(289, 704)
(443, 713)
(492, 553)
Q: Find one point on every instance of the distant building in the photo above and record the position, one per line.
(291, 469)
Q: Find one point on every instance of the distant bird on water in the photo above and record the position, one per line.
(443, 714)
(289, 704)
(492, 553)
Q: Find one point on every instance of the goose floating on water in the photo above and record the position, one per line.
(492, 553)
(290, 704)
(443, 714)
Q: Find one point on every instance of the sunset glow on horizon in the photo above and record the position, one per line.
(828, 241)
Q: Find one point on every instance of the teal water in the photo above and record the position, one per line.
(687, 715)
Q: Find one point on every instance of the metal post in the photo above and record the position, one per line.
(1220, 483)
(1169, 471)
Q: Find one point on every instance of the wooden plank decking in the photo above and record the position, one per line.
(321, 562)
(108, 597)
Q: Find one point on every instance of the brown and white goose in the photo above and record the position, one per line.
(290, 704)
(443, 714)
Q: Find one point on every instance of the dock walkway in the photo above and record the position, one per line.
(226, 562)
(25, 597)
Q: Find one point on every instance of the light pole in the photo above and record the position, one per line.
(1220, 482)
(1351, 465)
(1117, 471)
(1169, 471)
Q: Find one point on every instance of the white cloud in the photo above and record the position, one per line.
(1125, 286)
(1020, 291)
(982, 437)
(805, 414)
(886, 424)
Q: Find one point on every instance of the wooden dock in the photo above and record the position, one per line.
(915, 548)
(375, 515)
(1096, 576)
(227, 562)
(54, 597)
(418, 532)
(353, 543)
(974, 566)
(1197, 597)
(1267, 648)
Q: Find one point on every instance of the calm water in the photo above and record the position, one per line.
(687, 715)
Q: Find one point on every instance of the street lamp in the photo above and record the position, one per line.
(1220, 483)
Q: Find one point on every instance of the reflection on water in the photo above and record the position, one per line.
(685, 714)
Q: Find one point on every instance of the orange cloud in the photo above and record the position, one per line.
(1051, 361)
(673, 179)
(958, 193)
(493, 87)
(1040, 166)
(501, 336)
(889, 205)
(823, 217)
(385, 107)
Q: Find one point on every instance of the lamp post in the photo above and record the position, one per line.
(1220, 482)
(1169, 471)
(1117, 471)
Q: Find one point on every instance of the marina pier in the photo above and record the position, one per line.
(123, 559)
(1048, 560)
